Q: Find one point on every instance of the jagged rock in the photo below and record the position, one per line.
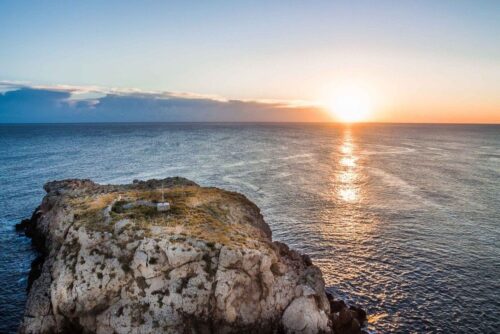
(206, 266)
(358, 313)
(346, 320)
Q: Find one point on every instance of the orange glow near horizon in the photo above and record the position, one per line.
(349, 103)
(374, 99)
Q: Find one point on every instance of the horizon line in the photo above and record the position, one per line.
(247, 122)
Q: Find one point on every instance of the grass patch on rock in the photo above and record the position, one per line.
(208, 214)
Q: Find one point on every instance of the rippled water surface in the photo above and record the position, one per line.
(403, 219)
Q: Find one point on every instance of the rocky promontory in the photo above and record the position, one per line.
(113, 262)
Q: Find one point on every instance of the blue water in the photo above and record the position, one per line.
(403, 219)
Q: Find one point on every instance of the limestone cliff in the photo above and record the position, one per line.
(207, 265)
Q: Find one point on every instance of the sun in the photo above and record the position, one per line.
(351, 105)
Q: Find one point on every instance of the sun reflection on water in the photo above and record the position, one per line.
(347, 177)
(347, 228)
(347, 174)
(348, 194)
(348, 161)
(346, 148)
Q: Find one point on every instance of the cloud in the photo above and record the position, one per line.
(21, 103)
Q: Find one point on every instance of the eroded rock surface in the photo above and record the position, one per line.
(208, 265)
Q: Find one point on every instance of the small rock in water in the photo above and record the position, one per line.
(359, 313)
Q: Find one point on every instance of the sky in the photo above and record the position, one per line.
(398, 61)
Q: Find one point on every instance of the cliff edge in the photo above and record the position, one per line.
(112, 262)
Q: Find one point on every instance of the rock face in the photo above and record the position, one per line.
(208, 265)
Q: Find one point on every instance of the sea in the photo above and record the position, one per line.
(403, 219)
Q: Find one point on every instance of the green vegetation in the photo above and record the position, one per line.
(203, 213)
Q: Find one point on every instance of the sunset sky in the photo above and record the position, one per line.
(384, 61)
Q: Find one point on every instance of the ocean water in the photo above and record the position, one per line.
(404, 220)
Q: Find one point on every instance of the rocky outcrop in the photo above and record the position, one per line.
(208, 265)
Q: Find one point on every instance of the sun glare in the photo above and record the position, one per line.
(351, 105)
